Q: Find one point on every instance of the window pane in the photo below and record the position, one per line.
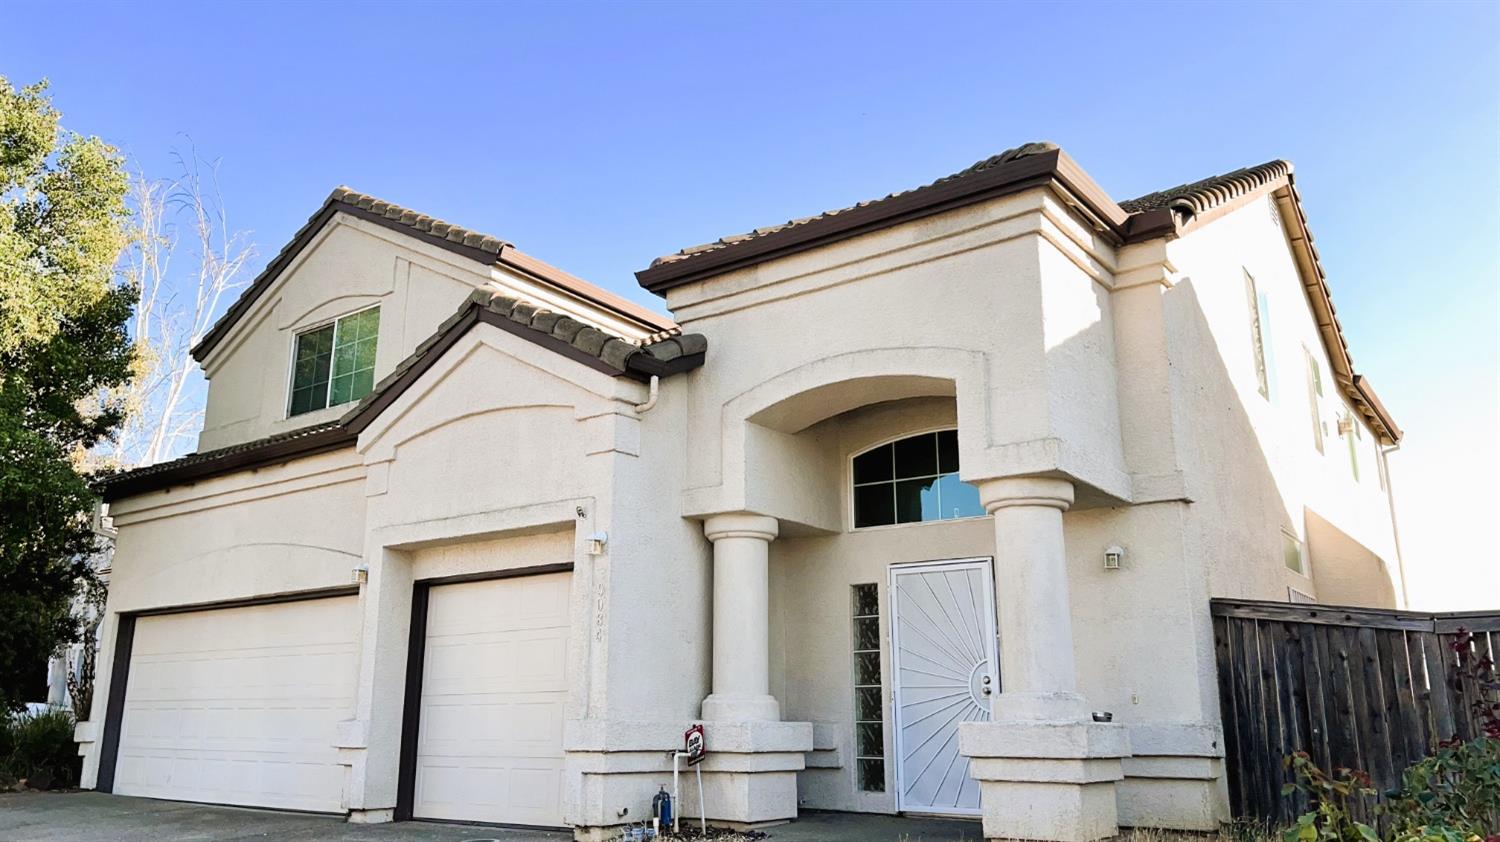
(343, 353)
(874, 505)
(364, 353)
(364, 380)
(872, 775)
(959, 499)
(310, 371)
(866, 600)
(867, 668)
(948, 451)
(1291, 552)
(339, 392)
(301, 401)
(873, 466)
(869, 739)
(867, 633)
(867, 704)
(916, 456)
(916, 500)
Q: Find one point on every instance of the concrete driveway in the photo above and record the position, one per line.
(95, 817)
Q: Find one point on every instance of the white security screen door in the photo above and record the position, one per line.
(944, 654)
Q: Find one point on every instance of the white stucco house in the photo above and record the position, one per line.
(899, 503)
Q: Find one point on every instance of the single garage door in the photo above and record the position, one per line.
(238, 705)
(494, 676)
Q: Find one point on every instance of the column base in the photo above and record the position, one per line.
(1174, 778)
(749, 774)
(723, 707)
(1046, 780)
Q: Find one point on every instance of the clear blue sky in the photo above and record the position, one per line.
(598, 136)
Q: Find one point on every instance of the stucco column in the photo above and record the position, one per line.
(741, 619)
(1038, 674)
(1045, 770)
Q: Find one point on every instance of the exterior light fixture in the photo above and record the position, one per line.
(596, 542)
(1113, 556)
(360, 574)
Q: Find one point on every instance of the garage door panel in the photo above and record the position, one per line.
(240, 705)
(489, 744)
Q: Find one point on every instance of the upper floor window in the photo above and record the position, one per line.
(1315, 396)
(335, 363)
(1260, 332)
(1293, 552)
(912, 480)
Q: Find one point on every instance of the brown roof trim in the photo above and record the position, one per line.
(261, 453)
(1163, 214)
(1025, 167)
(513, 258)
(573, 339)
(466, 243)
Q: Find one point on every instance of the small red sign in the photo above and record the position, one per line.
(696, 748)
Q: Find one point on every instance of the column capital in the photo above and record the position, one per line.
(741, 525)
(1005, 492)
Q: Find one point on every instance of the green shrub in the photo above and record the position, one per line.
(1334, 798)
(39, 749)
(1454, 794)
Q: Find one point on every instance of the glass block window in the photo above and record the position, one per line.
(335, 363)
(869, 712)
(912, 480)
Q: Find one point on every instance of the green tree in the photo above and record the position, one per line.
(63, 346)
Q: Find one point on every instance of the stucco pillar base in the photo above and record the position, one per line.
(1047, 780)
(726, 707)
(371, 816)
(1174, 777)
(1039, 707)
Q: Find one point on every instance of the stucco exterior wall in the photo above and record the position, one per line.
(1254, 469)
(955, 304)
(350, 265)
(210, 542)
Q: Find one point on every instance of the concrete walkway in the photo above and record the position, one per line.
(95, 817)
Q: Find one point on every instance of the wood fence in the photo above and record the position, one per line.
(1362, 688)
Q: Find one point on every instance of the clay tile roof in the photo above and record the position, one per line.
(1202, 195)
(419, 221)
(1009, 155)
(475, 245)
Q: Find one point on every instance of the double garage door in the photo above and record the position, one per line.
(240, 705)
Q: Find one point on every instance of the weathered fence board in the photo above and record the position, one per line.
(1353, 687)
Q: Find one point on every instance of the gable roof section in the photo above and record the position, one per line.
(1165, 213)
(481, 248)
(663, 357)
(1200, 202)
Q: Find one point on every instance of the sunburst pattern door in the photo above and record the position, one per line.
(944, 654)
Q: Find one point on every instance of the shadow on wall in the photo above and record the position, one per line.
(1239, 508)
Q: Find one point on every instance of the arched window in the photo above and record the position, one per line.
(912, 480)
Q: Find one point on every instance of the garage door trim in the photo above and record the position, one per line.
(119, 676)
(416, 652)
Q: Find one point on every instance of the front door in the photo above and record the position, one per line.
(943, 643)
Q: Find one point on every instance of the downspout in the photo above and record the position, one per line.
(643, 408)
(1390, 498)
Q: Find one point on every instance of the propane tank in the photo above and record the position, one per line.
(661, 808)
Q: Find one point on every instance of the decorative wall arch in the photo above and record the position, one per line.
(771, 415)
